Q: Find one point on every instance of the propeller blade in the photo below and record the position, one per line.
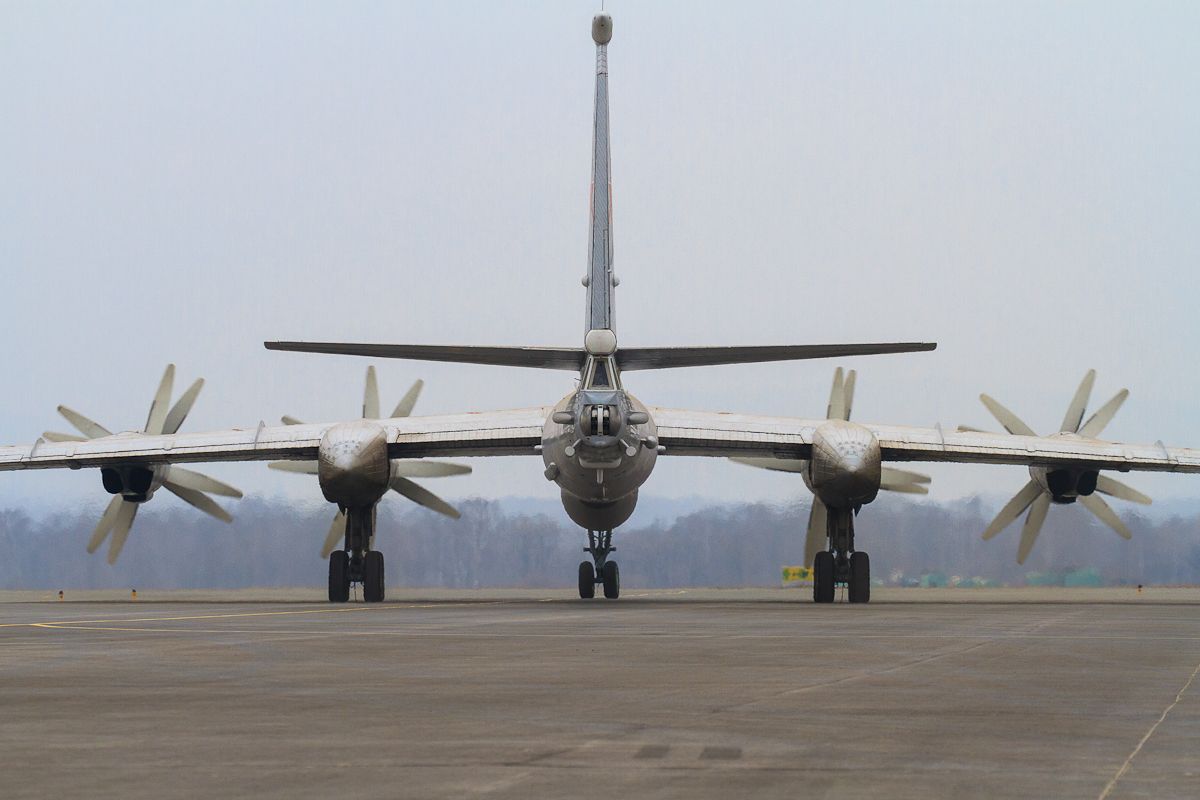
(848, 394)
(1011, 422)
(1106, 515)
(51, 436)
(121, 526)
(107, 520)
(1114, 488)
(1013, 509)
(903, 476)
(428, 469)
(182, 407)
(406, 404)
(1079, 402)
(91, 430)
(286, 420)
(422, 496)
(818, 534)
(162, 399)
(189, 479)
(336, 535)
(1099, 421)
(302, 467)
(1033, 526)
(775, 464)
(904, 488)
(371, 396)
(837, 400)
(199, 500)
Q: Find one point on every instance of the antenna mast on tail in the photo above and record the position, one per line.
(599, 280)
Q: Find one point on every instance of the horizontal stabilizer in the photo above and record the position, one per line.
(570, 358)
(667, 357)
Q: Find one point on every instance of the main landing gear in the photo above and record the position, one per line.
(601, 570)
(841, 563)
(357, 563)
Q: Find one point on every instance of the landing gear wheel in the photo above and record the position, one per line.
(823, 577)
(860, 577)
(612, 580)
(339, 576)
(587, 580)
(373, 585)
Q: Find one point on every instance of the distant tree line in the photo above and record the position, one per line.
(498, 543)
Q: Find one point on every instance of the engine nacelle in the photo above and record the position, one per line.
(352, 464)
(134, 483)
(1065, 485)
(846, 465)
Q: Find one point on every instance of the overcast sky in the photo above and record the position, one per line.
(1019, 182)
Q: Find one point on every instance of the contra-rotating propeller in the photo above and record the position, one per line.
(841, 401)
(402, 471)
(134, 486)
(1061, 486)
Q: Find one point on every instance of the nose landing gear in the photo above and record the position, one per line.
(601, 570)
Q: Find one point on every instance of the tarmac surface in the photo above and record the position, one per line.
(528, 693)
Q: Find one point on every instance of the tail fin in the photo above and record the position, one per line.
(599, 279)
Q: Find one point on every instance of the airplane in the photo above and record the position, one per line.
(599, 443)
(368, 570)
(1062, 487)
(841, 402)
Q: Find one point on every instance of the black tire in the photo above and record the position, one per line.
(612, 580)
(339, 576)
(373, 585)
(587, 580)
(860, 578)
(823, 577)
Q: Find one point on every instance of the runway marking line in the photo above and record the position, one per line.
(77, 622)
(1129, 761)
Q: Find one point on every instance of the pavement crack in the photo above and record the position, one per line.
(1112, 784)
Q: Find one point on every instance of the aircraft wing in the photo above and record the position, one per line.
(703, 433)
(493, 433)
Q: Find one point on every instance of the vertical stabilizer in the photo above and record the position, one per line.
(599, 279)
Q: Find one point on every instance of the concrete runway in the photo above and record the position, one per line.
(523, 694)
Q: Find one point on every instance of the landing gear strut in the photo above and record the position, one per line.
(841, 563)
(601, 570)
(357, 562)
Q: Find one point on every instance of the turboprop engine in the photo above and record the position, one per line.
(846, 465)
(352, 464)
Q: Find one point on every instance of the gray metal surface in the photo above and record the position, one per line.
(680, 694)
(600, 252)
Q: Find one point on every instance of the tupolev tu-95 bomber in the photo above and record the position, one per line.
(599, 443)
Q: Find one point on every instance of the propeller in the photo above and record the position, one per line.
(841, 402)
(190, 486)
(1034, 495)
(402, 470)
